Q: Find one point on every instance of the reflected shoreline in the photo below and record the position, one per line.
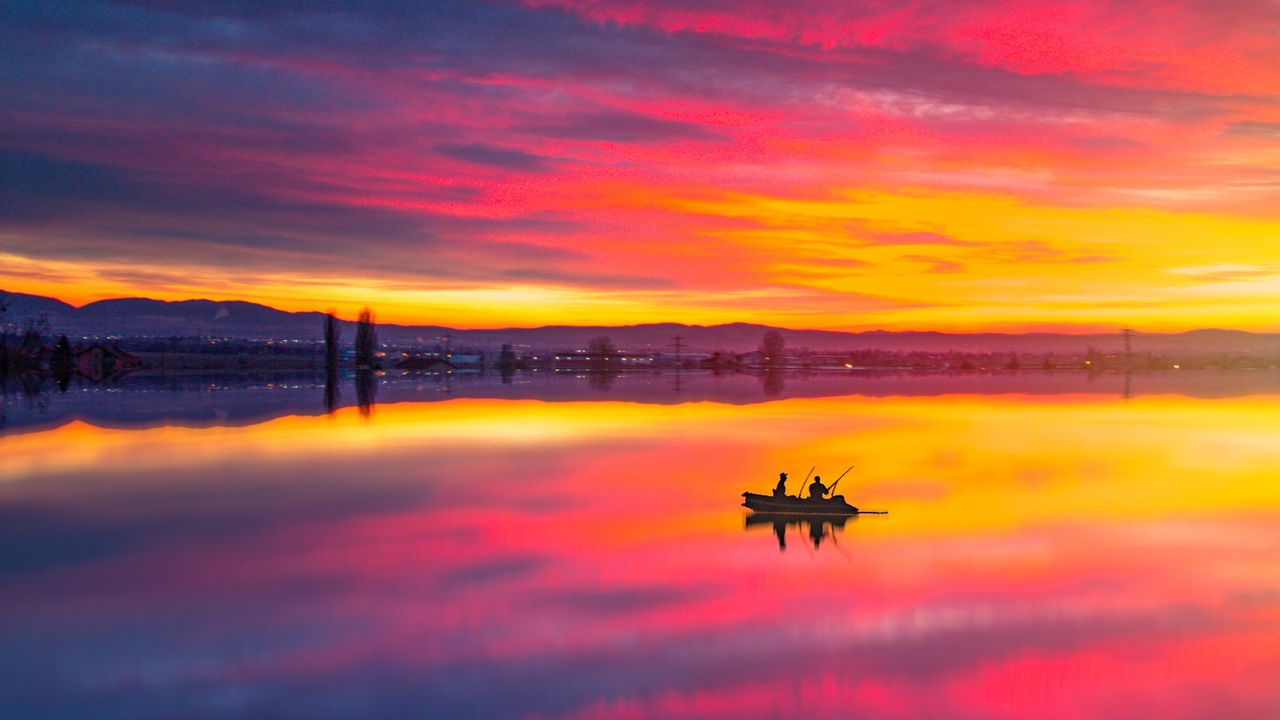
(212, 399)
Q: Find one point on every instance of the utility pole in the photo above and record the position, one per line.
(678, 345)
(1128, 363)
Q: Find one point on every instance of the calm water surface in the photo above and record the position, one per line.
(1046, 555)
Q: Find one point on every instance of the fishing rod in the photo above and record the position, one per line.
(803, 485)
(832, 489)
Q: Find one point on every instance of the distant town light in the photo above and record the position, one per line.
(1177, 367)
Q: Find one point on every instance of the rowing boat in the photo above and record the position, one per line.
(789, 505)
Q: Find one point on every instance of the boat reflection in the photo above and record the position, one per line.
(812, 528)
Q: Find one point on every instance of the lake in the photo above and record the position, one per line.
(574, 547)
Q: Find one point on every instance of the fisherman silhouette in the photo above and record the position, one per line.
(781, 489)
(817, 490)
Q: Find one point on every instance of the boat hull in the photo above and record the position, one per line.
(835, 505)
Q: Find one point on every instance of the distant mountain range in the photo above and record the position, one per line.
(142, 317)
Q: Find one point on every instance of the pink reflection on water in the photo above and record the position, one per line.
(493, 578)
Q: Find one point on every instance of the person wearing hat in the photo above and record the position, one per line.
(781, 489)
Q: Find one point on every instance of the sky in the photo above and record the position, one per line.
(956, 166)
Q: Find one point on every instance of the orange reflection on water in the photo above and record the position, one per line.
(1015, 457)
(1043, 557)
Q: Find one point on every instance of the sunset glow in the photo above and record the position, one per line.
(1044, 556)
(898, 165)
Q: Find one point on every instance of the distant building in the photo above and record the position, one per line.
(583, 360)
(98, 361)
(507, 358)
(467, 360)
(434, 364)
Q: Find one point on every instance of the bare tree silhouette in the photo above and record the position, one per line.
(366, 341)
(601, 352)
(62, 362)
(4, 340)
(773, 349)
(332, 333)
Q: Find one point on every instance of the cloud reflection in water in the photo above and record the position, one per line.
(1068, 555)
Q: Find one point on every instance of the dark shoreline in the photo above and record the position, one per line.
(199, 398)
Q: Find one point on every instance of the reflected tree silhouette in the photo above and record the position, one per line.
(601, 381)
(332, 333)
(366, 392)
(61, 363)
(31, 386)
(331, 394)
(773, 381)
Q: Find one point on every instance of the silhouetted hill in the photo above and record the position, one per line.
(196, 318)
(142, 316)
(21, 306)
